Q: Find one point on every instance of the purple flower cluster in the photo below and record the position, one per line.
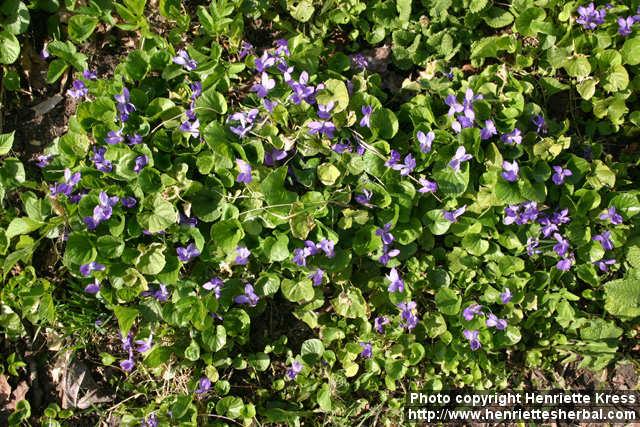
(294, 370)
(408, 315)
(161, 294)
(102, 211)
(183, 58)
(215, 285)
(248, 298)
(510, 171)
(78, 90)
(242, 255)
(99, 161)
(246, 120)
(300, 255)
(244, 175)
(124, 105)
(387, 253)
(468, 116)
(66, 187)
(590, 17)
(187, 253)
(492, 321)
(452, 216)
(367, 350)
(521, 214)
(86, 269)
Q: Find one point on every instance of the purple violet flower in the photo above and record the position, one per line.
(454, 106)
(493, 321)
(215, 285)
(294, 370)
(269, 105)
(510, 171)
(394, 158)
(191, 128)
(388, 254)
(246, 120)
(99, 161)
(144, 345)
(560, 175)
(367, 350)
(408, 314)
(359, 61)
(242, 255)
(123, 104)
(86, 269)
(282, 47)
(541, 125)
(127, 365)
(246, 48)
(316, 277)
(324, 111)
(89, 75)
(590, 17)
(425, 140)
(453, 215)
(407, 167)
(532, 244)
(134, 139)
(512, 138)
(565, 264)
(427, 186)
(341, 147)
(129, 202)
(604, 263)
(459, 157)
(613, 217)
(66, 188)
(140, 163)
(93, 288)
(78, 90)
(506, 296)
(364, 198)
(624, 25)
(379, 322)
(488, 130)
(472, 337)
(183, 58)
(245, 172)
(266, 84)
(248, 298)
(397, 284)
(385, 234)
(605, 240)
(273, 156)
(42, 160)
(562, 246)
(470, 312)
(323, 127)
(264, 62)
(366, 116)
(327, 246)
(204, 385)
(113, 137)
(187, 253)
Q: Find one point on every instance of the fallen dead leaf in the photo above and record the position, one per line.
(18, 394)
(74, 383)
(5, 389)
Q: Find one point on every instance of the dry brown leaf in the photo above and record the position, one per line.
(74, 383)
(5, 389)
(18, 394)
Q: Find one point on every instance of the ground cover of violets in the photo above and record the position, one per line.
(297, 228)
